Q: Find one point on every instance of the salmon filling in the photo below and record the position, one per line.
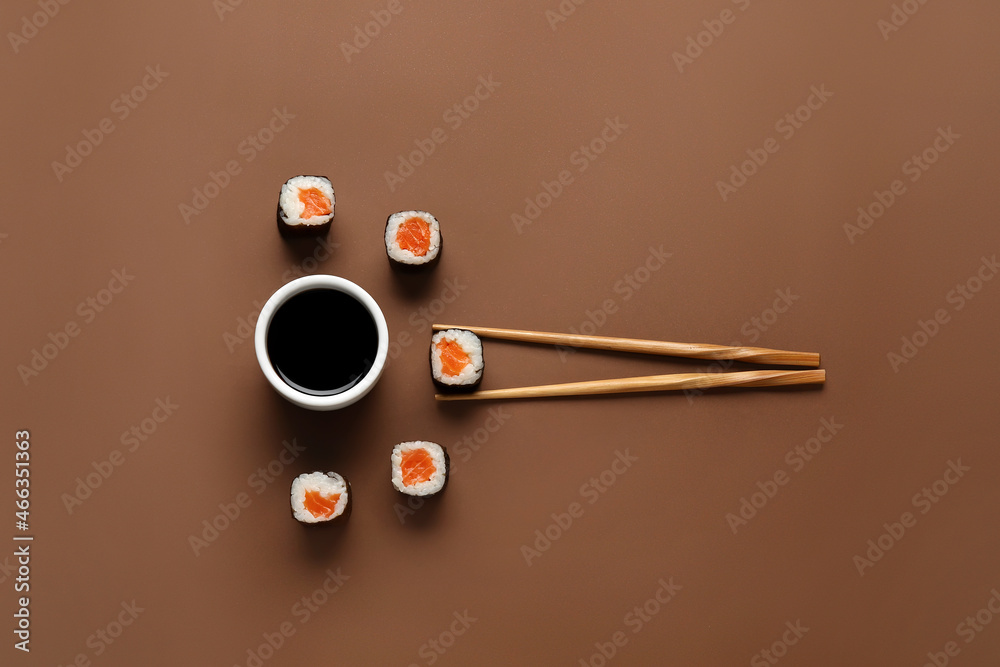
(414, 234)
(453, 357)
(417, 466)
(320, 506)
(315, 202)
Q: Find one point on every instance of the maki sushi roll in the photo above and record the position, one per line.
(456, 360)
(412, 238)
(305, 205)
(419, 468)
(319, 497)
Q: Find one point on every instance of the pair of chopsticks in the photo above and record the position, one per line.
(756, 355)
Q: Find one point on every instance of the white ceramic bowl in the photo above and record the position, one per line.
(336, 401)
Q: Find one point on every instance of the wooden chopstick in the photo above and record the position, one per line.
(755, 355)
(648, 383)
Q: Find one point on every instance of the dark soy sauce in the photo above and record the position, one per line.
(322, 342)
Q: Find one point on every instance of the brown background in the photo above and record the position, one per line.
(655, 186)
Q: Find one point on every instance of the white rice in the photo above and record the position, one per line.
(405, 256)
(292, 208)
(437, 479)
(471, 345)
(327, 484)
